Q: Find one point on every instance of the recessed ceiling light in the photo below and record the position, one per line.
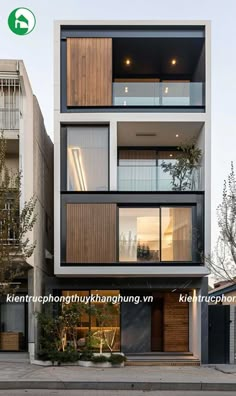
(177, 135)
(128, 62)
(126, 89)
(173, 62)
(171, 155)
(166, 90)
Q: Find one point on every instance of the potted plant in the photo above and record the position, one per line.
(185, 167)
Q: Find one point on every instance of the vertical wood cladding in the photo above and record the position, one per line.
(91, 233)
(89, 72)
(176, 324)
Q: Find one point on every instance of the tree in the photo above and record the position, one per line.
(104, 316)
(186, 164)
(222, 262)
(15, 225)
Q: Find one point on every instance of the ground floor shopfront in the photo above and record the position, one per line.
(148, 315)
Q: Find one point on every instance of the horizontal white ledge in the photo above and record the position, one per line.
(140, 271)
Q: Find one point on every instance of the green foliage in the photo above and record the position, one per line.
(86, 355)
(59, 334)
(117, 358)
(15, 225)
(104, 315)
(182, 171)
(68, 356)
(99, 359)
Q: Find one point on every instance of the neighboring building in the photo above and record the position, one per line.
(222, 323)
(225, 289)
(126, 95)
(29, 149)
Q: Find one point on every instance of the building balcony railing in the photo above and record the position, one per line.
(166, 94)
(9, 119)
(153, 178)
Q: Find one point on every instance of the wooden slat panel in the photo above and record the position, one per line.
(89, 71)
(91, 233)
(176, 324)
(137, 154)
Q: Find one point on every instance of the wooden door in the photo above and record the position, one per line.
(89, 72)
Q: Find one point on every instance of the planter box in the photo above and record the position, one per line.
(84, 363)
(81, 363)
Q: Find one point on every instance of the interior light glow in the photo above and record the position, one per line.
(76, 164)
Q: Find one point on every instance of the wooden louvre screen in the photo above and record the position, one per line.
(176, 324)
(89, 72)
(91, 233)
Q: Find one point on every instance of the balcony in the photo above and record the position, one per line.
(160, 94)
(153, 178)
(9, 119)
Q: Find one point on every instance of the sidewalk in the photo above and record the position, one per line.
(26, 376)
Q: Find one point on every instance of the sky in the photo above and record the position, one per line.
(36, 50)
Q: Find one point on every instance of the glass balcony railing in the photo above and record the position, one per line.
(9, 119)
(158, 94)
(153, 178)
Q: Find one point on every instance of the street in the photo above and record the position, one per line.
(40, 392)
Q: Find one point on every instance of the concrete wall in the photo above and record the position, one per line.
(43, 230)
(36, 163)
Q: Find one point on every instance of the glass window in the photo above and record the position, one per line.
(100, 322)
(12, 326)
(139, 234)
(105, 321)
(87, 158)
(176, 234)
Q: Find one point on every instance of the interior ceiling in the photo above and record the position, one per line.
(152, 56)
(164, 133)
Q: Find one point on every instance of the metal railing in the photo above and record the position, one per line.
(181, 94)
(9, 119)
(153, 178)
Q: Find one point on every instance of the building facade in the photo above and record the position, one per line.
(30, 150)
(127, 222)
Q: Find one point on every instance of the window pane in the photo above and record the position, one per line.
(99, 324)
(105, 321)
(139, 234)
(176, 226)
(87, 158)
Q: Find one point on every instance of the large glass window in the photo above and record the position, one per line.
(155, 234)
(139, 234)
(87, 158)
(176, 234)
(99, 321)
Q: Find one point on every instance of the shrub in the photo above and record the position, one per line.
(86, 355)
(68, 356)
(116, 358)
(99, 359)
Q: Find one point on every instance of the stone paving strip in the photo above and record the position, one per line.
(19, 375)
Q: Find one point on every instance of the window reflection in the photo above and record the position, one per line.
(176, 225)
(139, 234)
(87, 158)
(100, 321)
